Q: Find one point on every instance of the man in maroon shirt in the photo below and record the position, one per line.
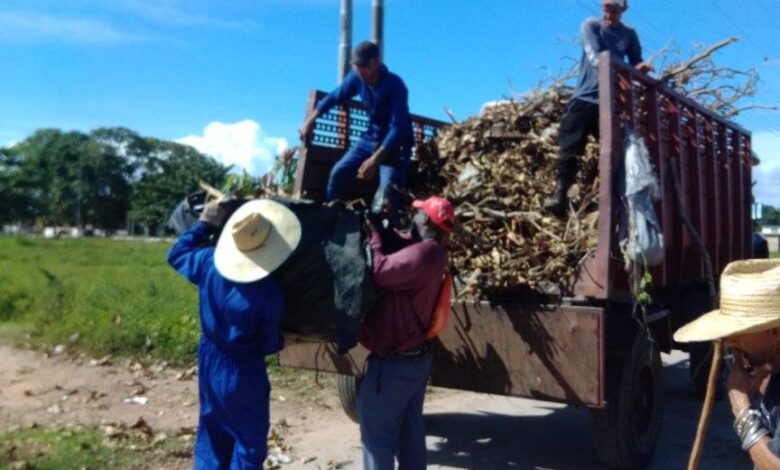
(409, 267)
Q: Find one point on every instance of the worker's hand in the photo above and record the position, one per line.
(367, 169)
(743, 382)
(645, 67)
(214, 213)
(305, 130)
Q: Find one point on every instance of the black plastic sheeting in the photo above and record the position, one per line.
(326, 282)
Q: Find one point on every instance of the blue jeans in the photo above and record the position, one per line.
(390, 411)
(392, 171)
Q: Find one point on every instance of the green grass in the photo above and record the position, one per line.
(774, 254)
(50, 449)
(99, 296)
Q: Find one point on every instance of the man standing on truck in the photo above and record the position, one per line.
(581, 117)
(409, 267)
(386, 145)
(748, 322)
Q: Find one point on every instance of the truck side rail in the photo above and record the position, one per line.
(710, 155)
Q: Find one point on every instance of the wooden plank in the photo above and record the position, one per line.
(611, 150)
(552, 353)
(747, 193)
(709, 191)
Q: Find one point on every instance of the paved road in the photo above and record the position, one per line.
(476, 431)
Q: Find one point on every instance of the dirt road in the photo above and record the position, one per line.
(465, 430)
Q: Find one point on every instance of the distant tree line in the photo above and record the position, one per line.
(769, 216)
(110, 178)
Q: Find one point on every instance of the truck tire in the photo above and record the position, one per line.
(626, 431)
(348, 387)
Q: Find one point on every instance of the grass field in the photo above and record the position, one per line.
(99, 296)
(75, 448)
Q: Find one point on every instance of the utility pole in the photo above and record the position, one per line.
(345, 39)
(377, 24)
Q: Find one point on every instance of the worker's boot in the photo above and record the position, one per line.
(559, 201)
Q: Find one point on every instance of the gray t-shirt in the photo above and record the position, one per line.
(621, 40)
(770, 406)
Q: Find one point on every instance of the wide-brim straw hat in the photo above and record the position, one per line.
(749, 302)
(256, 240)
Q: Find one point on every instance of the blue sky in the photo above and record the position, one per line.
(232, 77)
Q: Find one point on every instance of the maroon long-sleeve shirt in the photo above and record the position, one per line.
(410, 278)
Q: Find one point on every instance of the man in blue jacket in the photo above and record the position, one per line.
(240, 312)
(386, 145)
(581, 117)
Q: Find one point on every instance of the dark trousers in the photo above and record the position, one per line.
(390, 411)
(580, 120)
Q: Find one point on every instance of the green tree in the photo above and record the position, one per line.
(168, 173)
(770, 215)
(70, 179)
(16, 200)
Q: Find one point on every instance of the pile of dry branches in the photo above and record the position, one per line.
(497, 168)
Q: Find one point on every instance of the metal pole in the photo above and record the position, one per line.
(345, 38)
(377, 24)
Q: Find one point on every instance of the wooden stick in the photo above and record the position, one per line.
(709, 398)
(211, 190)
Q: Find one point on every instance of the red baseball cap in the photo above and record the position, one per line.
(439, 210)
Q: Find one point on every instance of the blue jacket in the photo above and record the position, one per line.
(241, 320)
(387, 104)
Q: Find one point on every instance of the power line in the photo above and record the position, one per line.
(739, 29)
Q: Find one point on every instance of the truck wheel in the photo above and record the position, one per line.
(626, 431)
(348, 387)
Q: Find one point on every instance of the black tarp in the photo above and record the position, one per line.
(326, 283)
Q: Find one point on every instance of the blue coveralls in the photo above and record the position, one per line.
(239, 326)
(389, 126)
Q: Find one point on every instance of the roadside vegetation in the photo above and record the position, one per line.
(98, 296)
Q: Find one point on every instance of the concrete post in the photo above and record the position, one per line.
(345, 39)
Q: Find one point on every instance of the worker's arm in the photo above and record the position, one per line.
(591, 45)
(635, 54)
(743, 384)
(762, 456)
(400, 121)
(404, 268)
(349, 87)
(189, 255)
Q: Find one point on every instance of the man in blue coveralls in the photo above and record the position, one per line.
(240, 312)
(386, 145)
(581, 117)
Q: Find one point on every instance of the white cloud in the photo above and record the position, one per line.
(243, 144)
(32, 26)
(171, 12)
(767, 174)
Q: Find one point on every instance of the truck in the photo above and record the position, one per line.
(586, 348)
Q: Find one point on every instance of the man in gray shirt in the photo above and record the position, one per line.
(581, 117)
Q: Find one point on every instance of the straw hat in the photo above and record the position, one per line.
(749, 302)
(256, 239)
